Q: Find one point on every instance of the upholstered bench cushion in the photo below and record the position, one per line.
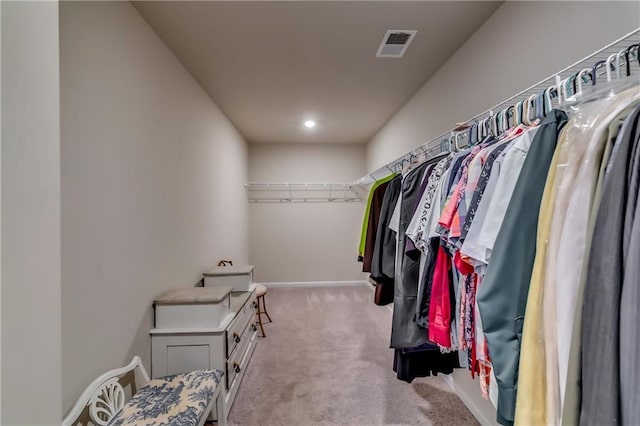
(180, 399)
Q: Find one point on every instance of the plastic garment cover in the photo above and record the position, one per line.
(578, 161)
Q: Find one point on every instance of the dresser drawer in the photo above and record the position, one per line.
(239, 325)
(237, 368)
(234, 363)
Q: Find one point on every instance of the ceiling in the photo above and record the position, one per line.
(271, 65)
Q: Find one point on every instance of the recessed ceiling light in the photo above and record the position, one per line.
(309, 124)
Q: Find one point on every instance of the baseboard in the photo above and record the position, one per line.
(315, 284)
(468, 401)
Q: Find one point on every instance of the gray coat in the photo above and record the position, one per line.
(609, 362)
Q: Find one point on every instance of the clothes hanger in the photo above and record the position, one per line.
(526, 111)
(444, 145)
(564, 94)
(549, 94)
(508, 113)
(459, 134)
(516, 127)
(471, 134)
(497, 124)
(627, 51)
(505, 119)
(581, 76)
(618, 64)
(487, 126)
(539, 103)
(454, 139)
(568, 85)
(574, 83)
(524, 118)
(610, 65)
(493, 124)
(518, 113)
(534, 108)
(594, 71)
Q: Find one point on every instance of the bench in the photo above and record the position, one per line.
(181, 399)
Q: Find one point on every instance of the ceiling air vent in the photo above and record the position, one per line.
(395, 43)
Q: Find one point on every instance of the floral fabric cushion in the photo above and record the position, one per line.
(179, 400)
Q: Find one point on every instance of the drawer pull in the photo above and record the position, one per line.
(236, 367)
(255, 305)
(236, 337)
(253, 327)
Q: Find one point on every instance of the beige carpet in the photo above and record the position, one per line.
(326, 360)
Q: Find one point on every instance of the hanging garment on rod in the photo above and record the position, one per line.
(367, 214)
(582, 166)
(556, 277)
(376, 198)
(606, 266)
(509, 250)
(630, 293)
(383, 259)
(423, 361)
(404, 333)
(502, 306)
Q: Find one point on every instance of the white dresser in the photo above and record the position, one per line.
(188, 341)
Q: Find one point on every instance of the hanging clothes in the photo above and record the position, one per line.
(510, 169)
(384, 253)
(559, 266)
(423, 361)
(405, 333)
(502, 307)
(377, 197)
(483, 180)
(419, 228)
(604, 286)
(440, 307)
(607, 215)
(367, 212)
(564, 271)
(518, 258)
(414, 356)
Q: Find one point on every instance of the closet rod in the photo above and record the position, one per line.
(434, 146)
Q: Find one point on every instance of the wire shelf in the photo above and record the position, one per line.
(435, 146)
(303, 192)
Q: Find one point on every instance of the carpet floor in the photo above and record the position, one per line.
(326, 361)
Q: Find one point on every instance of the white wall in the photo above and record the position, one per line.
(31, 376)
(305, 241)
(520, 44)
(152, 186)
